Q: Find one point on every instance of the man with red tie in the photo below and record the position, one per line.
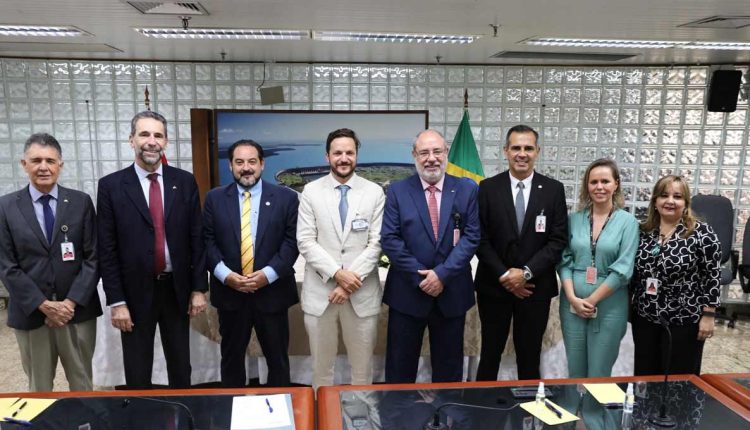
(430, 232)
(152, 258)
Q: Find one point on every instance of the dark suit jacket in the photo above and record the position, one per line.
(408, 241)
(32, 269)
(126, 239)
(275, 245)
(502, 247)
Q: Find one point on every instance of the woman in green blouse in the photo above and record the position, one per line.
(595, 270)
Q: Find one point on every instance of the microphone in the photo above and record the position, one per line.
(434, 423)
(661, 418)
(191, 423)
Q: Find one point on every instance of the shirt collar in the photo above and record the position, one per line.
(36, 194)
(143, 173)
(253, 190)
(351, 182)
(439, 184)
(526, 182)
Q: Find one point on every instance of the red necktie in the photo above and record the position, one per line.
(156, 208)
(433, 208)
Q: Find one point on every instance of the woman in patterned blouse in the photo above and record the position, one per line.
(676, 282)
(595, 271)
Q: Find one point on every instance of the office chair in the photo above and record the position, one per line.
(717, 211)
(744, 271)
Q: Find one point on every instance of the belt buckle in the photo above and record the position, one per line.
(163, 276)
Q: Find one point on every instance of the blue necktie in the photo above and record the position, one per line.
(343, 204)
(49, 217)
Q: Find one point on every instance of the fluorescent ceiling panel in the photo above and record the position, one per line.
(41, 31)
(353, 36)
(223, 33)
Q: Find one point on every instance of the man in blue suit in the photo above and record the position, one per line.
(151, 255)
(250, 231)
(430, 232)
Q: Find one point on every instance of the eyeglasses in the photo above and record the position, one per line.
(423, 155)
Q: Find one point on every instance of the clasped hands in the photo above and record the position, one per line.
(514, 283)
(583, 307)
(247, 284)
(57, 314)
(347, 282)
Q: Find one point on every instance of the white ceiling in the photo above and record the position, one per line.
(111, 22)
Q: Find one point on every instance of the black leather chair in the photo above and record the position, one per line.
(718, 212)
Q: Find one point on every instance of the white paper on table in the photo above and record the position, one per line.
(262, 412)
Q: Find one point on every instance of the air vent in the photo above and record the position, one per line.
(169, 8)
(720, 21)
(561, 56)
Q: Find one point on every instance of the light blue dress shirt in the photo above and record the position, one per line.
(221, 271)
(38, 208)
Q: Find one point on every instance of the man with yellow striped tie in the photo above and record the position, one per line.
(250, 232)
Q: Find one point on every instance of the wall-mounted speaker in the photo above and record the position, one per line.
(271, 95)
(723, 90)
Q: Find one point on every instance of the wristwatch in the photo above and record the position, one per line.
(527, 275)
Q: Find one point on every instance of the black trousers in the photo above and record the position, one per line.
(652, 348)
(138, 345)
(529, 319)
(272, 330)
(404, 344)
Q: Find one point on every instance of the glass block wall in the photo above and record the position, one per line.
(652, 120)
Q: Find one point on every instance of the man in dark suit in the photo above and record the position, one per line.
(151, 255)
(48, 265)
(430, 232)
(250, 227)
(524, 231)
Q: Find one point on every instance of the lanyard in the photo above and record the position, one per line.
(591, 233)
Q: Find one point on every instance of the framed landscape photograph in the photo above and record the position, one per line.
(294, 142)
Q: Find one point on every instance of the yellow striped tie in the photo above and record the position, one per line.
(246, 244)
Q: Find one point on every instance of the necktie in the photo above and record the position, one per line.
(343, 204)
(49, 217)
(156, 208)
(433, 209)
(247, 254)
(520, 206)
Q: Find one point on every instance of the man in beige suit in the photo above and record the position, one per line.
(338, 234)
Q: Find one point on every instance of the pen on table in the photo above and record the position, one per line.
(612, 405)
(552, 408)
(270, 409)
(15, 421)
(19, 409)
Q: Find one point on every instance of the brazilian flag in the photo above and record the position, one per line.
(463, 159)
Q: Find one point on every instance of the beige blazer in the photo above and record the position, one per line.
(327, 249)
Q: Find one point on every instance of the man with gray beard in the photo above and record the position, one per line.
(430, 232)
(151, 255)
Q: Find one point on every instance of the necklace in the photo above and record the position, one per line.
(664, 238)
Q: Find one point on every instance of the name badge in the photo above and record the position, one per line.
(591, 275)
(652, 286)
(68, 251)
(360, 224)
(541, 223)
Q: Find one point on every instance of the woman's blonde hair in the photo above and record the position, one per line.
(653, 219)
(584, 199)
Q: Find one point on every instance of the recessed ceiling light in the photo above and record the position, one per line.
(41, 30)
(634, 43)
(223, 33)
(719, 45)
(601, 43)
(353, 36)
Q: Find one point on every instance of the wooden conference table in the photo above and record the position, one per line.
(210, 408)
(734, 385)
(694, 403)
